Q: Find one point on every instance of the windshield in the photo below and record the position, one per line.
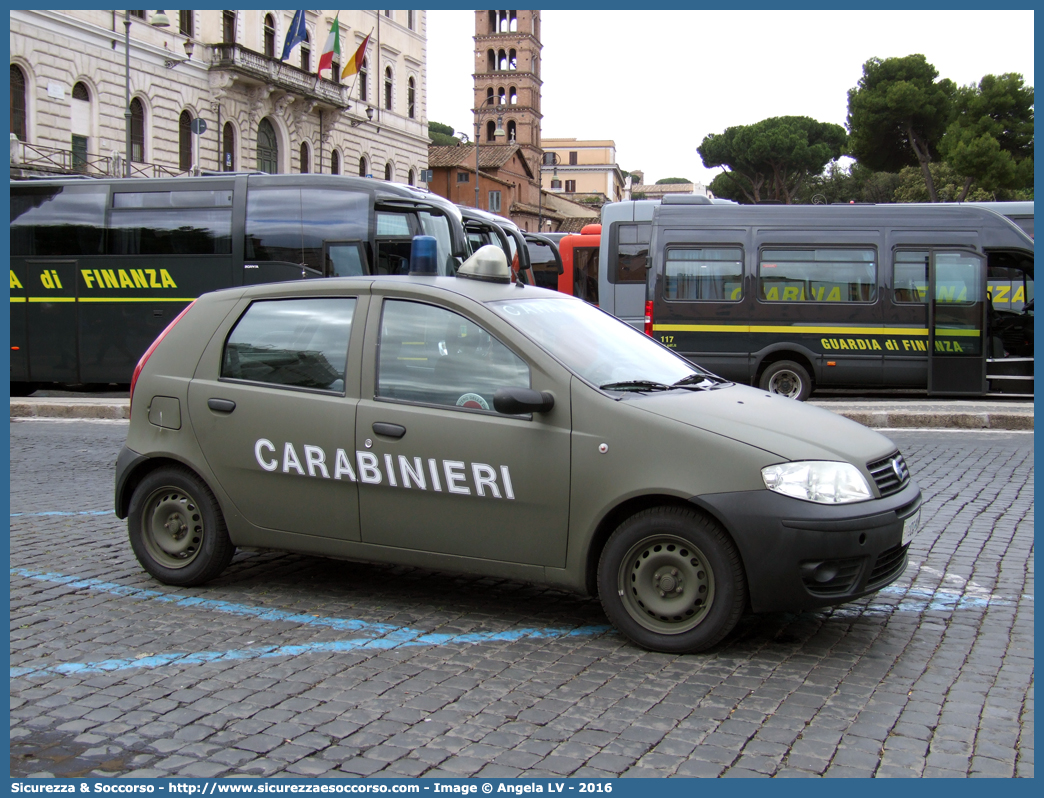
(594, 345)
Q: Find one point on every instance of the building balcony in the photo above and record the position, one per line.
(36, 160)
(255, 69)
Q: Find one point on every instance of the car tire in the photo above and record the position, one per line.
(176, 528)
(786, 378)
(671, 580)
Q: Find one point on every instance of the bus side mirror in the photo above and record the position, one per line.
(516, 401)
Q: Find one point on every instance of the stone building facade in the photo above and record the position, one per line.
(69, 74)
(587, 169)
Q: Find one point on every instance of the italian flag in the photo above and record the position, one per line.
(332, 48)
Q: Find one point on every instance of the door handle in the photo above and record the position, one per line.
(389, 430)
(221, 405)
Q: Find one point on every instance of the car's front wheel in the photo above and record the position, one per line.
(671, 580)
(176, 528)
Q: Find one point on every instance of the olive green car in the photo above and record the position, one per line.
(475, 425)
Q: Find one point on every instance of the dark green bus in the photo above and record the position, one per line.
(99, 267)
(791, 298)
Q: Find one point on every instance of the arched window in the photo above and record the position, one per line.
(267, 148)
(536, 65)
(501, 60)
(362, 167)
(389, 171)
(269, 36)
(228, 146)
(501, 96)
(388, 88)
(492, 21)
(512, 96)
(411, 178)
(489, 96)
(502, 20)
(512, 60)
(306, 53)
(306, 158)
(513, 21)
(335, 163)
(18, 102)
(185, 141)
(137, 109)
(80, 92)
(491, 127)
(80, 125)
(364, 72)
(491, 61)
(411, 99)
(511, 129)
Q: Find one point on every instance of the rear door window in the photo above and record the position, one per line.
(292, 343)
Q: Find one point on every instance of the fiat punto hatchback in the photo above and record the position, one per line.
(478, 425)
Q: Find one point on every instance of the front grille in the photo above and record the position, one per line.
(890, 475)
(841, 583)
(890, 563)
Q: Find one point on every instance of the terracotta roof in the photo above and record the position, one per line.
(491, 156)
(574, 224)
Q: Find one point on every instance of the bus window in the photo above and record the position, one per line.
(704, 274)
(58, 220)
(345, 259)
(910, 277)
(817, 275)
(331, 214)
(438, 226)
(632, 254)
(171, 223)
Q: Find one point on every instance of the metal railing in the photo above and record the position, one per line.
(38, 157)
(279, 74)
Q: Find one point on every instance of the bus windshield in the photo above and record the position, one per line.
(597, 347)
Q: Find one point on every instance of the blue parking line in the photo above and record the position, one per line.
(55, 512)
(378, 636)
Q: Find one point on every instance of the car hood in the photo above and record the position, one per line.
(787, 428)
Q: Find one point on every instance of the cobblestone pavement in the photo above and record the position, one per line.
(297, 666)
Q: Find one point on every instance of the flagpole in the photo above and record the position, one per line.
(359, 66)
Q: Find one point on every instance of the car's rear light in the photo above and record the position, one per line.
(648, 317)
(152, 348)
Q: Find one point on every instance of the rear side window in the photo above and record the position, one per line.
(910, 278)
(172, 223)
(817, 275)
(632, 254)
(708, 274)
(296, 343)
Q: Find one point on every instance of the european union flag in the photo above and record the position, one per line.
(295, 34)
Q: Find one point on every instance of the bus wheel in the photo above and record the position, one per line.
(787, 378)
(176, 528)
(671, 580)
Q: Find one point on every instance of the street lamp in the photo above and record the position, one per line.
(549, 159)
(497, 133)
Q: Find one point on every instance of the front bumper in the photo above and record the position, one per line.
(800, 556)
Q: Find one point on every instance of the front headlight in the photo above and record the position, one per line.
(820, 482)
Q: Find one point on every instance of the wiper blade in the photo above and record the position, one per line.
(698, 380)
(635, 385)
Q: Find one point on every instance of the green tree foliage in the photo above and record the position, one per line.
(854, 183)
(771, 159)
(672, 181)
(897, 115)
(990, 140)
(948, 183)
(442, 134)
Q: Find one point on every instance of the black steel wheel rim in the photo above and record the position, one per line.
(666, 584)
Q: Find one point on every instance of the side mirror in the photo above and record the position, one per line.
(516, 401)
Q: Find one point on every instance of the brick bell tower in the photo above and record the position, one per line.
(507, 79)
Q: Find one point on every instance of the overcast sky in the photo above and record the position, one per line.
(658, 82)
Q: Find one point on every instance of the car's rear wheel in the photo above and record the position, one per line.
(176, 528)
(787, 378)
(671, 580)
